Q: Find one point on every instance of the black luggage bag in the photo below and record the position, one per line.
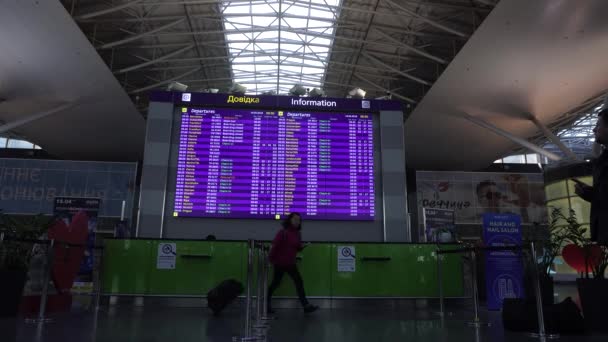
(223, 294)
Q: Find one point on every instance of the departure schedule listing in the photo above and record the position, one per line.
(265, 164)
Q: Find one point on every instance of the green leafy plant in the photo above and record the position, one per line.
(16, 255)
(552, 244)
(577, 234)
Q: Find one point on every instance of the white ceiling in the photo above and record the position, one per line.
(46, 61)
(543, 57)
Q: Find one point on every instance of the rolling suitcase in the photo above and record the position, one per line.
(223, 294)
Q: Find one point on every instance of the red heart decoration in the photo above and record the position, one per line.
(66, 262)
(574, 256)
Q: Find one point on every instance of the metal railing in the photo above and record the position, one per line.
(256, 326)
(476, 321)
(50, 247)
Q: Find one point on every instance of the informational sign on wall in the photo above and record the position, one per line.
(439, 225)
(504, 269)
(346, 259)
(166, 256)
(65, 208)
(30, 186)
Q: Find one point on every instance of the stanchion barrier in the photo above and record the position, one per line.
(472, 251)
(542, 335)
(41, 318)
(247, 331)
(261, 326)
(265, 315)
(45, 286)
(440, 283)
(476, 322)
(98, 287)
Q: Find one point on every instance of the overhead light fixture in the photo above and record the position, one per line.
(357, 93)
(176, 86)
(270, 92)
(210, 90)
(316, 92)
(297, 90)
(388, 96)
(238, 89)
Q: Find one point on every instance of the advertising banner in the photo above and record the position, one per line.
(65, 208)
(504, 269)
(439, 225)
(472, 194)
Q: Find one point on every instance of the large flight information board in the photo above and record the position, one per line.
(237, 163)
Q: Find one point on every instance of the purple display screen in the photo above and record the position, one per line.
(237, 163)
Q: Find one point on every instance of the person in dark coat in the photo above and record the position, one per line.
(598, 193)
(285, 247)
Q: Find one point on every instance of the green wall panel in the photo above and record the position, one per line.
(200, 266)
(126, 265)
(382, 270)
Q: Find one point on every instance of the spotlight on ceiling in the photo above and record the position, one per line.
(270, 92)
(357, 93)
(297, 90)
(210, 90)
(237, 89)
(316, 92)
(176, 86)
(388, 96)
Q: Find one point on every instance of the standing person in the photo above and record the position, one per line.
(598, 193)
(285, 247)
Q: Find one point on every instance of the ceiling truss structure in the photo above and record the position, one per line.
(383, 46)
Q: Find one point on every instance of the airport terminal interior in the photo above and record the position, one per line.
(303, 170)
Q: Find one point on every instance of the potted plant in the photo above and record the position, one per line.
(550, 246)
(15, 257)
(591, 260)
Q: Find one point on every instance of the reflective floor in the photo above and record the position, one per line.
(130, 324)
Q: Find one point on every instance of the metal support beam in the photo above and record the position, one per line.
(404, 98)
(108, 10)
(154, 61)
(427, 20)
(552, 137)
(169, 80)
(505, 134)
(33, 117)
(141, 35)
(412, 48)
(404, 74)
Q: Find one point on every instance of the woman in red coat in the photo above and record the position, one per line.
(285, 247)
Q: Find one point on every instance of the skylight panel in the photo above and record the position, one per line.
(268, 53)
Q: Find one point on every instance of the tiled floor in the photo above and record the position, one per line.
(130, 324)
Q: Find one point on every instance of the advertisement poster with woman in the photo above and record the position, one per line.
(473, 194)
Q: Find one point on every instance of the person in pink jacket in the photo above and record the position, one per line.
(285, 247)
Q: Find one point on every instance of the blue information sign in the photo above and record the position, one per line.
(504, 269)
